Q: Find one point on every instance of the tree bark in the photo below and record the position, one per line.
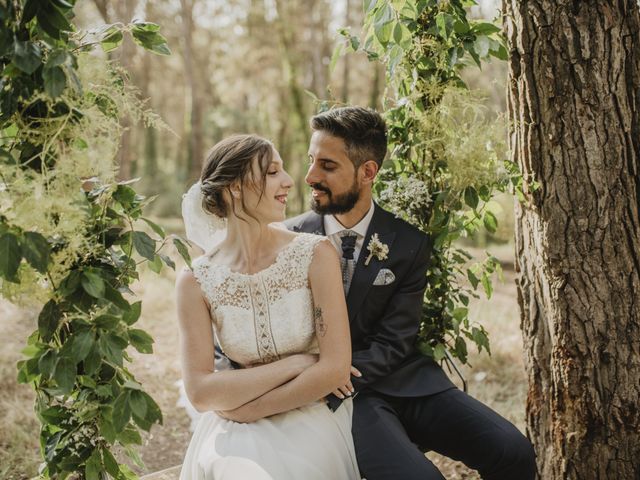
(195, 127)
(126, 158)
(574, 95)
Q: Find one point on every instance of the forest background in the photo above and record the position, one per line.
(245, 66)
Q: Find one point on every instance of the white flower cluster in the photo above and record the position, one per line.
(408, 195)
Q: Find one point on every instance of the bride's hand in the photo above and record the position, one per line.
(347, 390)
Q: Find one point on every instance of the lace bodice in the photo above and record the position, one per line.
(259, 318)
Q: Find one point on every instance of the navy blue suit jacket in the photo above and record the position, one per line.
(384, 320)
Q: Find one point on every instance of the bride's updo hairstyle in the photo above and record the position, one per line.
(230, 160)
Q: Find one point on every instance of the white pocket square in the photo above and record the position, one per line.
(384, 277)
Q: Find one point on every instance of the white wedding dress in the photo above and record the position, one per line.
(260, 318)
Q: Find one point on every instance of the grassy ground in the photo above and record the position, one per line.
(498, 380)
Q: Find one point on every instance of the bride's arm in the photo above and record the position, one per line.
(332, 329)
(226, 389)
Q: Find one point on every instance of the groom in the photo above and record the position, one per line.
(404, 404)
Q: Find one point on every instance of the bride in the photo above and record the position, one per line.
(276, 303)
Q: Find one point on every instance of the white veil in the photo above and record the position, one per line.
(204, 229)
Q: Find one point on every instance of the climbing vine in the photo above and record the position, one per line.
(72, 238)
(448, 155)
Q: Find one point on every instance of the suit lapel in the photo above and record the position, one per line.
(310, 223)
(364, 275)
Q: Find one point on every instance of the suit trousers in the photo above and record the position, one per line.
(391, 433)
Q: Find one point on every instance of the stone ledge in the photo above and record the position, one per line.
(172, 473)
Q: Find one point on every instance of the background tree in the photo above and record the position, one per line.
(574, 98)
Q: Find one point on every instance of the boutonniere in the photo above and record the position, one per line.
(376, 249)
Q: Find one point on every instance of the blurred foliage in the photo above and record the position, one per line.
(69, 235)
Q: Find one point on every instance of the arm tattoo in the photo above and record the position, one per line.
(321, 327)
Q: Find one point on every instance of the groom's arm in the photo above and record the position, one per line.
(396, 331)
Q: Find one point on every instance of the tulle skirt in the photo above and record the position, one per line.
(307, 443)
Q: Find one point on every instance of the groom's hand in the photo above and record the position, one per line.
(347, 389)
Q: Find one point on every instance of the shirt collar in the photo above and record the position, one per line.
(333, 226)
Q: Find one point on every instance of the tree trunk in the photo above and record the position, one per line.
(347, 58)
(195, 126)
(126, 158)
(574, 95)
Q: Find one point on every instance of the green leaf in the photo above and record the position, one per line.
(93, 360)
(337, 53)
(141, 340)
(92, 283)
(369, 5)
(156, 264)
(150, 40)
(460, 313)
(168, 261)
(56, 58)
(81, 346)
(144, 245)
(121, 411)
(10, 256)
(155, 227)
(31, 7)
(105, 426)
(132, 315)
(138, 403)
(501, 53)
(47, 363)
(409, 10)
(65, 374)
(93, 467)
(148, 27)
(484, 28)
(486, 284)
(154, 414)
(56, 18)
(130, 436)
(27, 56)
(461, 349)
(55, 81)
(110, 463)
(439, 352)
(395, 56)
(354, 42)
(490, 221)
(112, 347)
(53, 21)
(481, 339)
(54, 415)
(471, 197)
(124, 194)
(444, 24)
(383, 32)
(472, 278)
(111, 39)
(402, 35)
(115, 297)
(63, 4)
(182, 250)
(36, 251)
(70, 284)
(48, 320)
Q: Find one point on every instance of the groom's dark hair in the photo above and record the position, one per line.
(362, 129)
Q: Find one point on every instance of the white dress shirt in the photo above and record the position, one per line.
(333, 230)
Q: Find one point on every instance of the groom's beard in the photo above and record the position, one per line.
(336, 204)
